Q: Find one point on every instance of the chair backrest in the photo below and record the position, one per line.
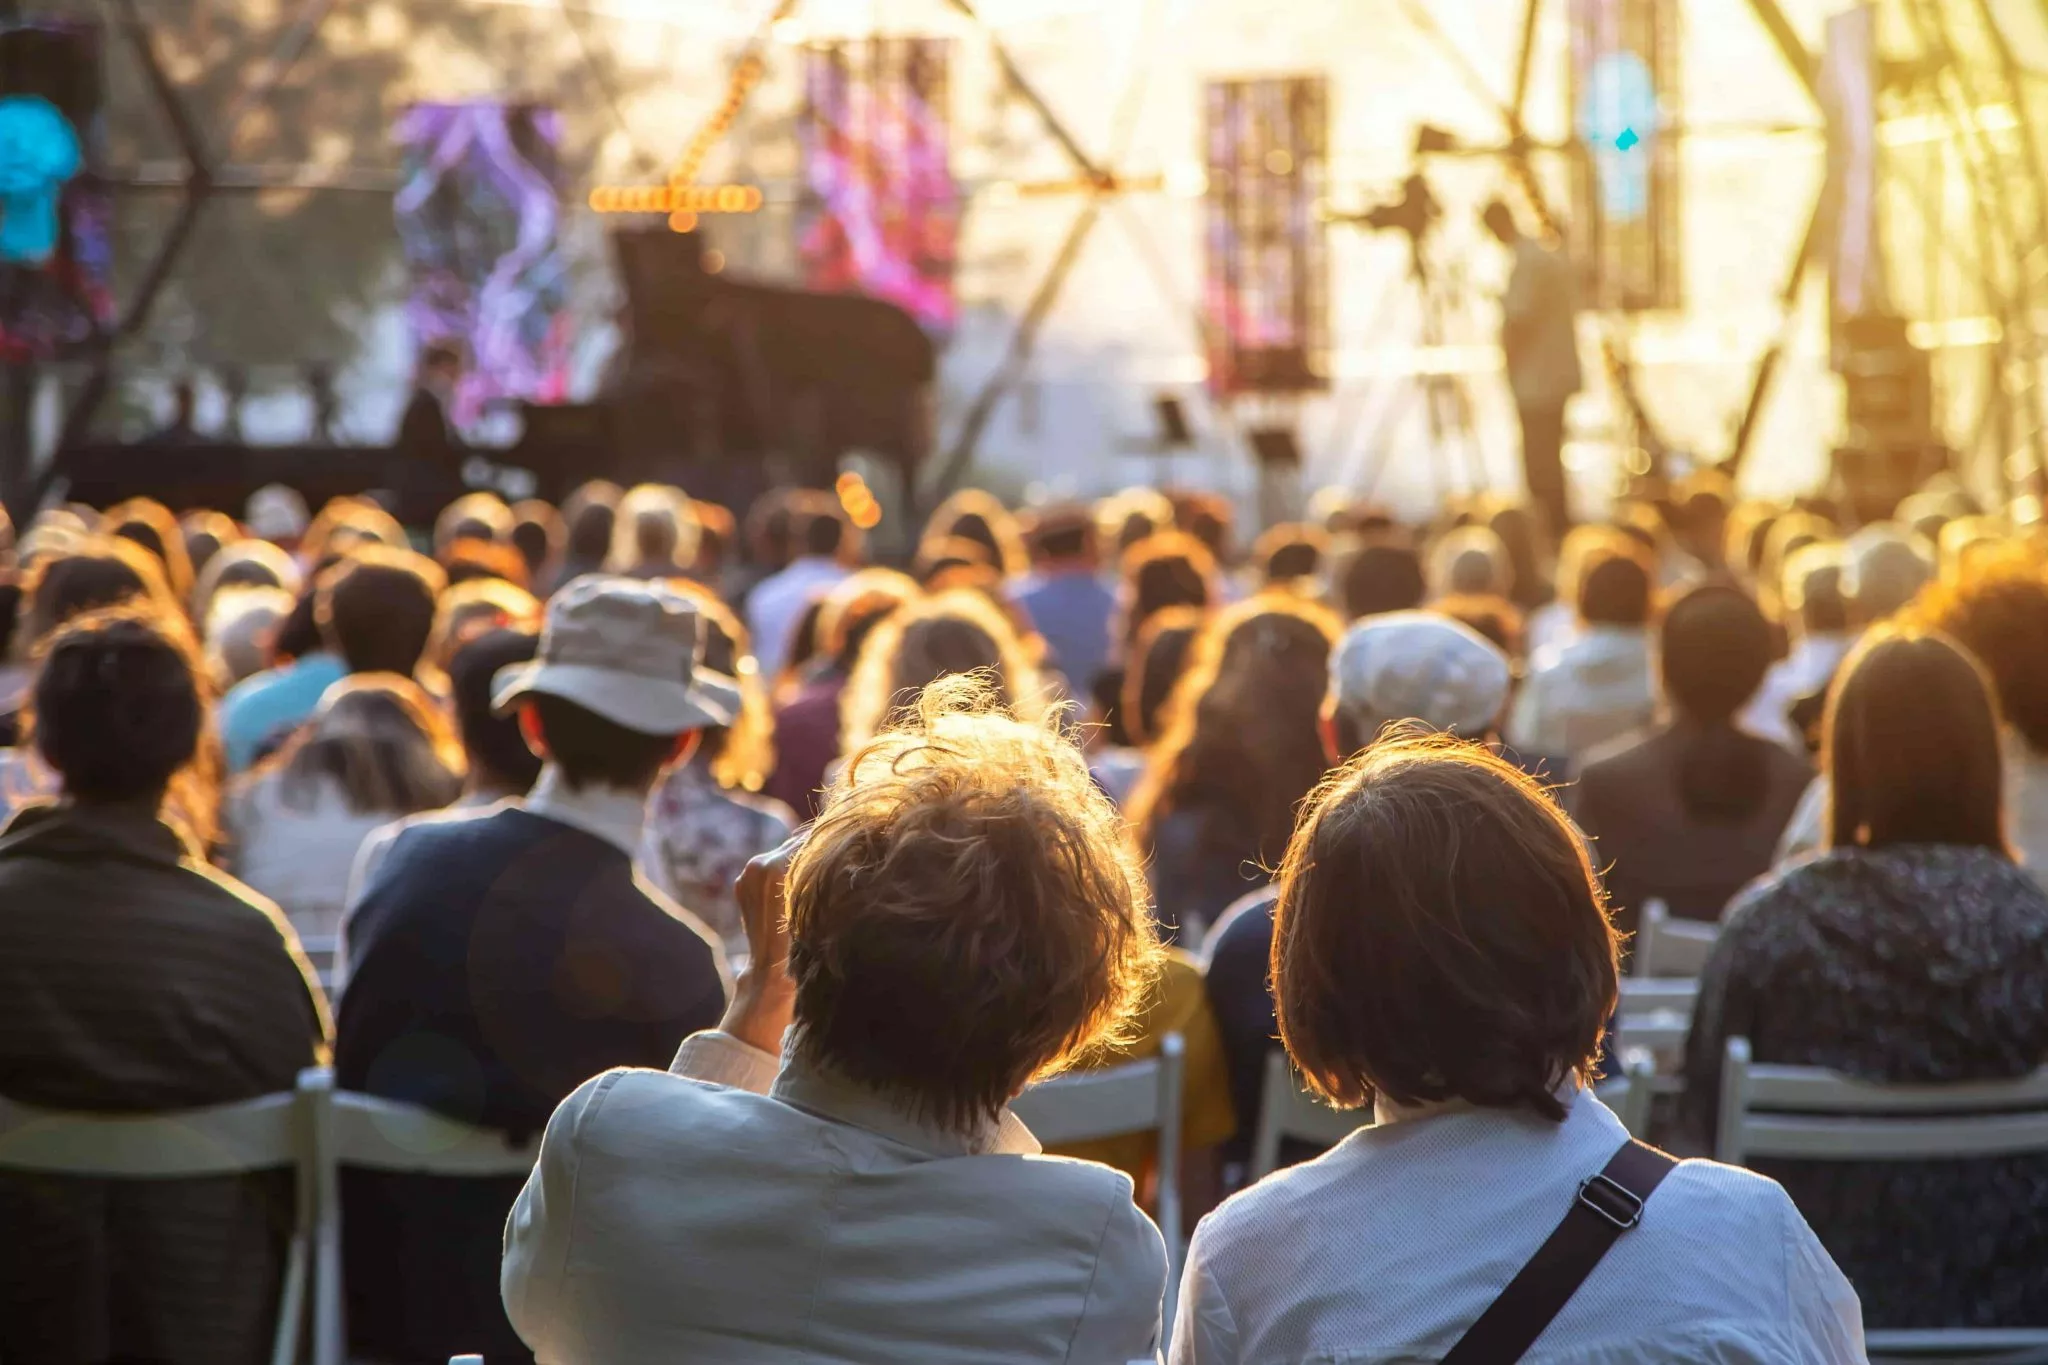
(1957, 1345)
(1630, 1093)
(268, 1133)
(1668, 946)
(1810, 1113)
(1135, 1097)
(375, 1134)
(1287, 1111)
(320, 951)
(1654, 1013)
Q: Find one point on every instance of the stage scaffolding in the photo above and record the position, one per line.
(253, 166)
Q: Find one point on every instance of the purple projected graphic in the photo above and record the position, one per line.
(479, 211)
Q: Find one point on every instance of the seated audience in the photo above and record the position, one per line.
(704, 821)
(373, 610)
(498, 763)
(1064, 595)
(1999, 613)
(806, 724)
(1378, 576)
(148, 523)
(932, 638)
(375, 750)
(1909, 951)
(540, 535)
(979, 517)
(1817, 615)
(473, 516)
(499, 959)
(205, 532)
(1157, 665)
(1169, 569)
(240, 624)
(1240, 750)
(244, 564)
(834, 1173)
(589, 518)
(1413, 667)
(134, 979)
(1470, 562)
(1478, 1064)
(1597, 686)
(654, 535)
(1291, 555)
(826, 543)
(1692, 811)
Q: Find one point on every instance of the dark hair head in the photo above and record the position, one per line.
(824, 525)
(1170, 569)
(589, 514)
(591, 751)
(1519, 535)
(149, 523)
(1380, 577)
(1063, 532)
(1500, 220)
(499, 760)
(1910, 746)
(1164, 648)
(771, 529)
(376, 608)
(100, 571)
(979, 517)
(1401, 972)
(537, 533)
(1616, 587)
(1290, 551)
(1205, 516)
(120, 704)
(1713, 651)
(1998, 610)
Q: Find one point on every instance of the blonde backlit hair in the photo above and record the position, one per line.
(964, 917)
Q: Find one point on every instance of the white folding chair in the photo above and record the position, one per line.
(264, 1134)
(1672, 947)
(1803, 1113)
(374, 1134)
(1630, 1093)
(1288, 1111)
(320, 951)
(1655, 1013)
(1134, 1097)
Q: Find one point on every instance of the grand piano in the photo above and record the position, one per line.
(723, 387)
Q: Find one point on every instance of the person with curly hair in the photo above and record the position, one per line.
(833, 1173)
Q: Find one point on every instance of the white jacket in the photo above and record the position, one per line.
(795, 1217)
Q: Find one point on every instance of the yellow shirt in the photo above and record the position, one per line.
(1179, 1004)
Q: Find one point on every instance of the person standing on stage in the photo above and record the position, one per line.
(427, 468)
(1539, 339)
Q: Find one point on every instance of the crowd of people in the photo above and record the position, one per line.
(760, 878)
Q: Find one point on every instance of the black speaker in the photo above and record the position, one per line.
(1276, 446)
(1173, 422)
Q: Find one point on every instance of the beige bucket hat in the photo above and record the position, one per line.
(627, 651)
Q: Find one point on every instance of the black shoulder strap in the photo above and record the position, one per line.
(1607, 1205)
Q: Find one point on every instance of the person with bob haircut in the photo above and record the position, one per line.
(963, 919)
(1910, 950)
(1464, 999)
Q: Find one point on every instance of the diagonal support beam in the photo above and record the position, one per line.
(1789, 45)
(1774, 354)
(1013, 75)
(998, 385)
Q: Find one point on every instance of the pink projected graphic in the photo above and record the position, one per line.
(881, 213)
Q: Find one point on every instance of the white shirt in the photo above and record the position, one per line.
(778, 601)
(1595, 688)
(725, 1212)
(1388, 1247)
(1798, 675)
